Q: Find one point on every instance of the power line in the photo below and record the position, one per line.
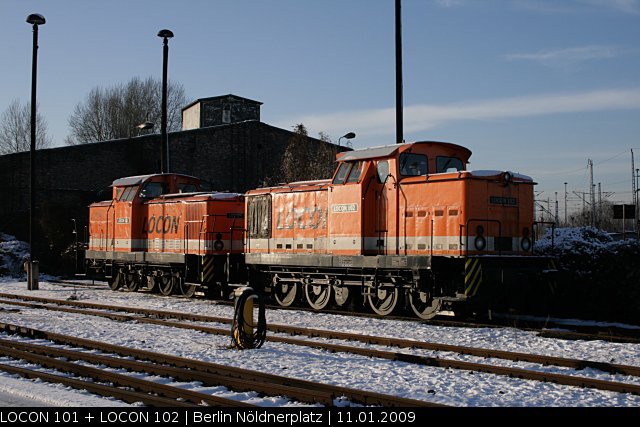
(611, 158)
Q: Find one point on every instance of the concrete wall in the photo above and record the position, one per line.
(191, 117)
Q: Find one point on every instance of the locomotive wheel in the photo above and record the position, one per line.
(165, 285)
(186, 290)
(423, 305)
(318, 296)
(116, 281)
(383, 300)
(132, 281)
(285, 293)
(341, 295)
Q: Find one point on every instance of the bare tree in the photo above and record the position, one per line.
(115, 112)
(15, 129)
(307, 158)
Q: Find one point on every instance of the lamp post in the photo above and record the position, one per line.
(34, 19)
(399, 115)
(349, 135)
(637, 203)
(164, 142)
(565, 205)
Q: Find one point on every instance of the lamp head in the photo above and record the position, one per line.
(36, 19)
(145, 125)
(167, 34)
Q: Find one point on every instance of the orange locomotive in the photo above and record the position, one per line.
(401, 223)
(161, 231)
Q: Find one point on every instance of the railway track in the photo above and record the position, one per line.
(178, 368)
(100, 381)
(543, 327)
(160, 318)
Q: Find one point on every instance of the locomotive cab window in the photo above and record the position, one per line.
(187, 188)
(413, 164)
(152, 189)
(382, 170)
(356, 172)
(128, 193)
(448, 164)
(341, 175)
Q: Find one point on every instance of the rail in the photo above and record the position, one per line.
(534, 233)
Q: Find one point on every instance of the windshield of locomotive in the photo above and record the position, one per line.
(153, 189)
(187, 188)
(126, 194)
(448, 164)
(413, 164)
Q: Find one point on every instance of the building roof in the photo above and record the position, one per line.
(212, 98)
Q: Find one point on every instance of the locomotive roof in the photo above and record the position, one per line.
(388, 150)
(135, 180)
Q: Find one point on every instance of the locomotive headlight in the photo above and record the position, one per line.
(480, 242)
(525, 244)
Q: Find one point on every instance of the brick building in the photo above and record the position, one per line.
(222, 142)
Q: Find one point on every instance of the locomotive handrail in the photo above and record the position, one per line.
(106, 240)
(185, 244)
(203, 230)
(534, 227)
(433, 225)
(466, 225)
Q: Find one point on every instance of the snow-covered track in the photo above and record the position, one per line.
(102, 382)
(543, 326)
(153, 317)
(605, 333)
(210, 373)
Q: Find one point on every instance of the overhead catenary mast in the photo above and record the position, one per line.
(592, 193)
(634, 189)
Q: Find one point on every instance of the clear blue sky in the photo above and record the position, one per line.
(533, 86)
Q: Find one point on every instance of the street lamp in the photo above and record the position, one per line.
(34, 19)
(164, 142)
(145, 126)
(350, 135)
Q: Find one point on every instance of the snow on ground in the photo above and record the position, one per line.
(446, 386)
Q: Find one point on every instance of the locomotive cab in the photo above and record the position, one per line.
(366, 192)
(118, 224)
